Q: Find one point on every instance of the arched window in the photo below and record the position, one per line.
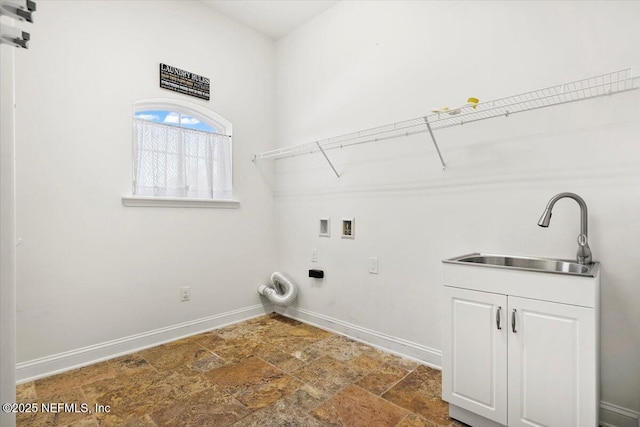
(180, 150)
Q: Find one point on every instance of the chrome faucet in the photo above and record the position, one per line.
(584, 252)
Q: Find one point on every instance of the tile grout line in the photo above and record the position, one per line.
(398, 382)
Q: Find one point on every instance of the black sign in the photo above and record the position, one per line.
(185, 82)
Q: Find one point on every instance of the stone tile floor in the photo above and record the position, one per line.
(267, 371)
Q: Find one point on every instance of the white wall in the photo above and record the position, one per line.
(364, 64)
(89, 269)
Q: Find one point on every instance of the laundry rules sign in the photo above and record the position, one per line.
(185, 82)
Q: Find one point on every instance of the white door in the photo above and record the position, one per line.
(7, 235)
(474, 368)
(552, 364)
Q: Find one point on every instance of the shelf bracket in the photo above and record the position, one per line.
(435, 144)
(327, 158)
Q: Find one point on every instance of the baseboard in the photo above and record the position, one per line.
(61, 362)
(408, 349)
(616, 416)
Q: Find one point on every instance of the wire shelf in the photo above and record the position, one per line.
(601, 85)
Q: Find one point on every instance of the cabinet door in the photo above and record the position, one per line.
(552, 364)
(474, 368)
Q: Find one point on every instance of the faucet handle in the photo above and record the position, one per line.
(583, 240)
(584, 252)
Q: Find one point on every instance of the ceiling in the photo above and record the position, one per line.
(273, 18)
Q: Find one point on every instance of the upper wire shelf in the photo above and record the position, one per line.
(601, 85)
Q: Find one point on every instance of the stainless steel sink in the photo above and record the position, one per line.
(545, 265)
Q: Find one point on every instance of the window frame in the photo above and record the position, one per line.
(183, 107)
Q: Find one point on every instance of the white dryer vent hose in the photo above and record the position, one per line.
(280, 291)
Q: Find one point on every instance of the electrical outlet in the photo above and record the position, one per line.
(373, 265)
(185, 293)
(314, 255)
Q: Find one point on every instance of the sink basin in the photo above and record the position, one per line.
(544, 265)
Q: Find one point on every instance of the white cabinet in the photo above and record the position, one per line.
(552, 364)
(474, 369)
(520, 358)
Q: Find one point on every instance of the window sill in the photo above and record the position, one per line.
(170, 202)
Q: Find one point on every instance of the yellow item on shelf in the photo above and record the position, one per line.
(471, 102)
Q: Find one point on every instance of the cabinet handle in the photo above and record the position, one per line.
(513, 320)
(498, 318)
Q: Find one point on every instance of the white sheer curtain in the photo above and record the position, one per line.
(170, 161)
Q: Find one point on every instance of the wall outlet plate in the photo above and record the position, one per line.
(185, 294)
(348, 228)
(373, 265)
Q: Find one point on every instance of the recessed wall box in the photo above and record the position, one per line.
(316, 274)
(349, 228)
(325, 227)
